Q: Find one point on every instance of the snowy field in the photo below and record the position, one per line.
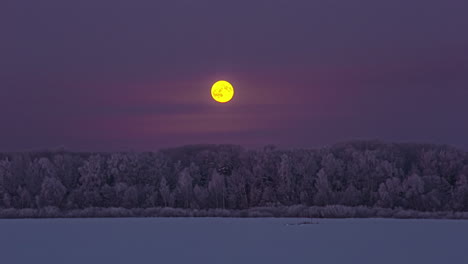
(227, 240)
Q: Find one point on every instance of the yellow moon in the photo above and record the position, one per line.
(222, 91)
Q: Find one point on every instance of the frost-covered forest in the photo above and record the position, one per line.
(366, 174)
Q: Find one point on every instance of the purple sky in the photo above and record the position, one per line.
(136, 75)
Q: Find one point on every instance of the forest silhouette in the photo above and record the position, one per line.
(353, 179)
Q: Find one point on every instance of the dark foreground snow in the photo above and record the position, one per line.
(232, 240)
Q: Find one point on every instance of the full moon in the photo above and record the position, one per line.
(222, 91)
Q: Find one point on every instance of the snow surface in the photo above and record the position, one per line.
(231, 240)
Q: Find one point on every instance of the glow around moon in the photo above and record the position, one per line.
(222, 91)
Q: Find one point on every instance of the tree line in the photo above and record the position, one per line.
(420, 177)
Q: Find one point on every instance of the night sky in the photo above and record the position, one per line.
(136, 75)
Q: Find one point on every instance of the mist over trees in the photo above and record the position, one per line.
(425, 178)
